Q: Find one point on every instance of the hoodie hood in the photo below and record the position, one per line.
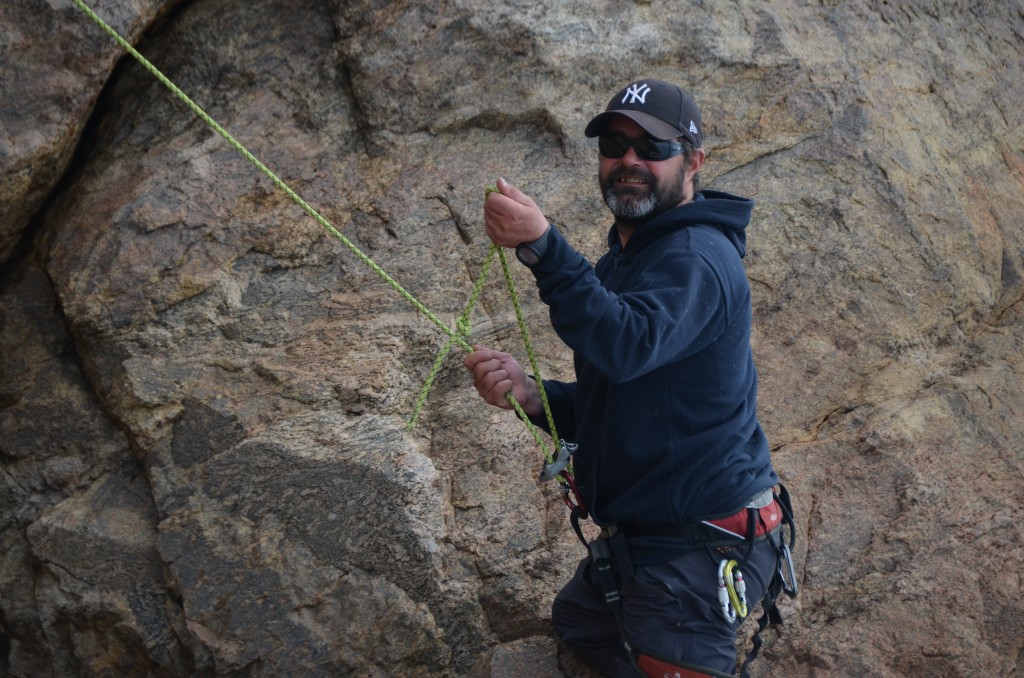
(725, 211)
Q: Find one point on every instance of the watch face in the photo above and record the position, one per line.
(527, 255)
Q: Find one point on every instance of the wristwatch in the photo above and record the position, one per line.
(530, 253)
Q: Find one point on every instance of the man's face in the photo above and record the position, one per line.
(637, 190)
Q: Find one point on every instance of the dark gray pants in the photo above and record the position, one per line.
(670, 610)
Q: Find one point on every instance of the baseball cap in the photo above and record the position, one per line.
(663, 109)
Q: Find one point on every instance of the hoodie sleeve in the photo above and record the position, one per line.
(560, 398)
(675, 307)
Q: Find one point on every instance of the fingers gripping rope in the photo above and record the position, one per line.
(458, 336)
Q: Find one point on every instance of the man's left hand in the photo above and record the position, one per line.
(512, 217)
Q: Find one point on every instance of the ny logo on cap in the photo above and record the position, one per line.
(636, 93)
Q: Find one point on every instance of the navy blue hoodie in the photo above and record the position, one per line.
(664, 407)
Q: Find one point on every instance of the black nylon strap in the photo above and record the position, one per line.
(574, 520)
(602, 574)
(770, 615)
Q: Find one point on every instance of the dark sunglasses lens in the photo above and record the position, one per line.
(646, 149)
(612, 147)
(649, 149)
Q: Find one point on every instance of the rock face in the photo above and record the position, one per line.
(206, 468)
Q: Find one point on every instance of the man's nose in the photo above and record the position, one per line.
(630, 157)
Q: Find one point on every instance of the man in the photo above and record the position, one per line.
(670, 453)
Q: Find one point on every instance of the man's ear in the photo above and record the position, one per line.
(696, 160)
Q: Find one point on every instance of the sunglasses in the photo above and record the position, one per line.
(646, 148)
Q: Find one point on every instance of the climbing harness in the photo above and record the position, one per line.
(610, 568)
(609, 559)
(459, 336)
(654, 667)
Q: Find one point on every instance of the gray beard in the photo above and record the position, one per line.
(630, 209)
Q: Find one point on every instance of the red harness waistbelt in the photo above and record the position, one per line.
(767, 519)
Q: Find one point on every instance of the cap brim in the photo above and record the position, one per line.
(658, 129)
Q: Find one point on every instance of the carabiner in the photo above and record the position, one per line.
(791, 587)
(732, 591)
(571, 496)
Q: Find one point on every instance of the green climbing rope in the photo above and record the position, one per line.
(464, 327)
(524, 333)
(460, 335)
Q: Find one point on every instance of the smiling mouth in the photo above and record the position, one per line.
(631, 186)
(632, 180)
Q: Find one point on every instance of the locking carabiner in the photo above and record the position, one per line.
(732, 591)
